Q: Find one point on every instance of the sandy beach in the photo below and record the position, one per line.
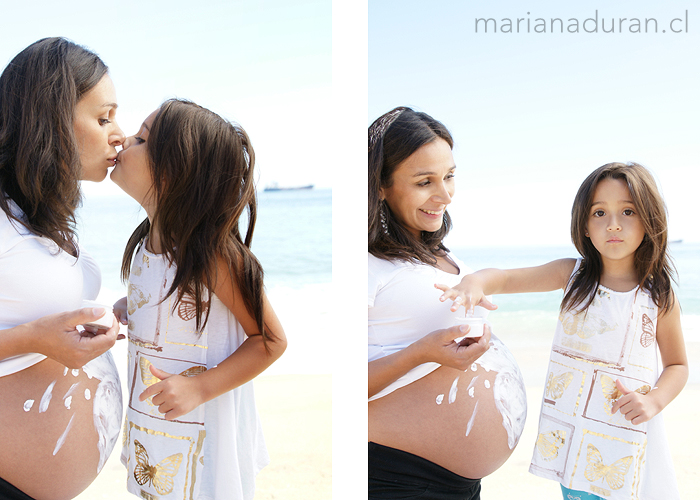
(296, 416)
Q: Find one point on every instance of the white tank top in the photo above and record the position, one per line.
(37, 278)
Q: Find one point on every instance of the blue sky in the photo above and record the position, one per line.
(534, 113)
(264, 64)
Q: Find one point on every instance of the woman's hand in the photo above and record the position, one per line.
(440, 347)
(119, 308)
(468, 293)
(56, 336)
(174, 395)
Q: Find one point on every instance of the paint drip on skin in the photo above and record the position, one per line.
(65, 371)
(107, 404)
(87, 394)
(46, 398)
(71, 390)
(471, 420)
(62, 439)
(28, 404)
(508, 388)
(67, 401)
(487, 384)
(75, 373)
(439, 399)
(453, 392)
(473, 367)
(470, 389)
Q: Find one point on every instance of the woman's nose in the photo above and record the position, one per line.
(117, 137)
(443, 194)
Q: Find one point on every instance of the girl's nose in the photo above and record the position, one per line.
(614, 224)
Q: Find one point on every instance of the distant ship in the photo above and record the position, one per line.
(273, 186)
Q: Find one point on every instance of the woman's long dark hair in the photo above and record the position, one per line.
(202, 167)
(39, 157)
(655, 271)
(393, 137)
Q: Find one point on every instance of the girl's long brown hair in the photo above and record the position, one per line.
(393, 137)
(39, 158)
(202, 167)
(655, 271)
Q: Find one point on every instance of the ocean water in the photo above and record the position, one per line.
(292, 240)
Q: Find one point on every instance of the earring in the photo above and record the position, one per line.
(382, 216)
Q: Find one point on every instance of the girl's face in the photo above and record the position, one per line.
(422, 187)
(132, 172)
(614, 226)
(96, 130)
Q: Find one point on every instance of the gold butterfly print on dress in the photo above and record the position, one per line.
(612, 394)
(159, 475)
(557, 385)
(549, 444)
(137, 299)
(584, 326)
(613, 474)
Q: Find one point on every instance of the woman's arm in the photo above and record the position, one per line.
(638, 408)
(56, 337)
(176, 395)
(438, 346)
(474, 288)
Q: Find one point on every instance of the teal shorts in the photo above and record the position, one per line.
(578, 495)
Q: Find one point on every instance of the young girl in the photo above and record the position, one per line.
(200, 326)
(599, 433)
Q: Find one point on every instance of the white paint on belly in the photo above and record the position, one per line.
(471, 420)
(62, 439)
(508, 388)
(46, 398)
(107, 404)
(453, 392)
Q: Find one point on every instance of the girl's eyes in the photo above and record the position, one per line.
(139, 140)
(601, 213)
(104, 121)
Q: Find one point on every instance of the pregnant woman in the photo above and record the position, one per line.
(60, 397)
(442, 414)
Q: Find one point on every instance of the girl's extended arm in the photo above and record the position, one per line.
(474, 288)
(176, 395)
(638, 408)
(438, 346)
(56, 337)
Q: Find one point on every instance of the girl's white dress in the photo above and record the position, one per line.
(213, 452)
(580, 443)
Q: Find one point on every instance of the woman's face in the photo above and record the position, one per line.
(132, 172)
(96, 130)
(422, 187)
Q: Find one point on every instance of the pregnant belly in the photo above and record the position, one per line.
(466, 421)
(59, 426)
